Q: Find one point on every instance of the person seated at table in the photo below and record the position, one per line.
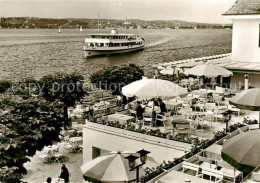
(162, 106)
(138, 108)
(119, 101)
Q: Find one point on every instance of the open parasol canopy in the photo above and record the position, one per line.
(153, 88)
(249, 99)
(208, 70)
(242, 151)
(113, 167)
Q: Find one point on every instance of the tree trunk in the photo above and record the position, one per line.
(66, 117)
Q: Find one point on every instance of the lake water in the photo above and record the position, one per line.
(37, 52)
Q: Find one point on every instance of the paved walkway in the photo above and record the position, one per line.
(38, 172)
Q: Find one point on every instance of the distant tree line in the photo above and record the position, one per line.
(72, 23)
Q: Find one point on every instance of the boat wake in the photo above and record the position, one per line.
(158, 42)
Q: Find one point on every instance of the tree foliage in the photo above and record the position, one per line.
(66, 88)
(114, 78)
(25, 88)
(31, 117)
(26, 125)
(4, 86)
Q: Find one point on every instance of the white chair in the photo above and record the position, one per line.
(201, 105)
(133, 113)
(218, 116)
(167, 114)
(43, 157)
(234, 109)
(210, 106)
(147, 118)
(183, 129)
(168, 126)
(204, 124)
(190, 166)
(160, 118)
(219, 176)
(57, 157)
(256, 176)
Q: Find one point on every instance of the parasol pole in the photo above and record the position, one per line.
(259, 120)
(153, 121)
(234, 175)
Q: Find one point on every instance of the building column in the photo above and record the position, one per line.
(246, 75)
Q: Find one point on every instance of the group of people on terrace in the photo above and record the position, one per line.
(159, 107)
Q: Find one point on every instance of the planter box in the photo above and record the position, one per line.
(175, 143)
(162, 140)
(95, 125)
(118, 130)
(113, 129)
(156, 139)
(134, 134)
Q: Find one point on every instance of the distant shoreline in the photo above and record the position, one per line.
(72, 23)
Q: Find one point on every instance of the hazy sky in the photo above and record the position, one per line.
(208, 11)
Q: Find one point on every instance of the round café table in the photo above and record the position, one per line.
(76, 140)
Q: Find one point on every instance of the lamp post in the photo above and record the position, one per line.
(227, 115)
(131, 162)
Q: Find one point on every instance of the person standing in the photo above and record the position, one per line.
(64, 173)
(48, 180)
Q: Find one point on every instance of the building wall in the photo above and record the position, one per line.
(119, 142)
(245, 40)
(238, 80)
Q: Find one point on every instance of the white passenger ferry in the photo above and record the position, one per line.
(114, 43)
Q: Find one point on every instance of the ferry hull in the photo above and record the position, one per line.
(93, 53)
